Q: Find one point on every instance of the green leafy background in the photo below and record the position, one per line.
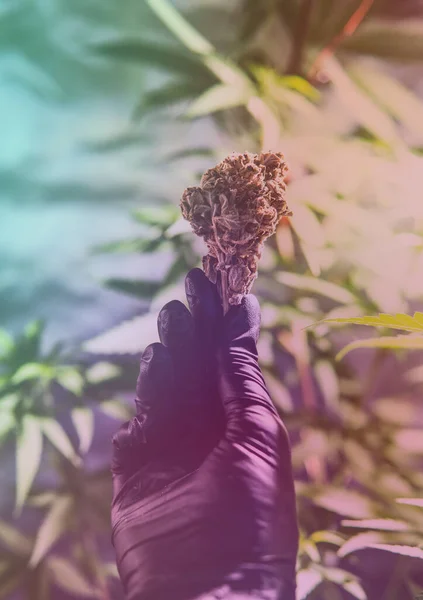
(109, 111)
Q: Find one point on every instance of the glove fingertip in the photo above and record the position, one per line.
(244, 318)
(202, 295)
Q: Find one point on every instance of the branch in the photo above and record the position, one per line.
(300, 36)
(348, 29)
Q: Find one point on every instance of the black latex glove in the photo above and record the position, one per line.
(204, 502)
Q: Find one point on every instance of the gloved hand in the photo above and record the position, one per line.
(204, 502)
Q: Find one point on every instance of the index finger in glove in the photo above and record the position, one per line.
(246, 400)
(141, 438)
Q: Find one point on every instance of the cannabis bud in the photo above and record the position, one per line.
(237, 206)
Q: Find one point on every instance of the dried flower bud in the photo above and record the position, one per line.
(237, 206)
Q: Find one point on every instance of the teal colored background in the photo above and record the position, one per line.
(73, 161)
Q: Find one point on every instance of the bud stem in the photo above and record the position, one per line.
(224, 288)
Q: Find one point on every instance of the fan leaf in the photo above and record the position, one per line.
(401, 342)
(224, 69)
(29, 446)
(360, 542)
(135, 287)
(70, 578)
(52, 528)
(218, 97)
(134, 245)
(307, 581)
(115, 409)
(130, 337)
(168, 58)
(378, 524)
(398, 321)
(14, 540)
(83, 421)
(55, 433)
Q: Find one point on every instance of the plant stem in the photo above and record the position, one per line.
(224, 290)
(300, 36)
(348, 29)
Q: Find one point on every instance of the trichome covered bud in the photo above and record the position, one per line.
(236, 207)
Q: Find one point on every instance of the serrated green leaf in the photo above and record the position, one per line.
(309, 547)
(29, 445)
(52, 528)
(168, 58)
(14, 540)
(378, 524)
(135, 245)
(174, 92)
(301, 85)
(327, 537)
(70, 578)
(33, 371)
(219, 97)
(130, 337)
(307, 581)
(355, 589)
(223, 68)
(359, 542)
(197, 151)
(157, 216)
(398, 321)
(71, 379)
(102, 371)
(137, 288)
(277, 89)
(115, 409)
(83, 421)
(401, 342)
(180, 27)
(55, 433)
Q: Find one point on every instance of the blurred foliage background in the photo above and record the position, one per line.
(108, 112)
